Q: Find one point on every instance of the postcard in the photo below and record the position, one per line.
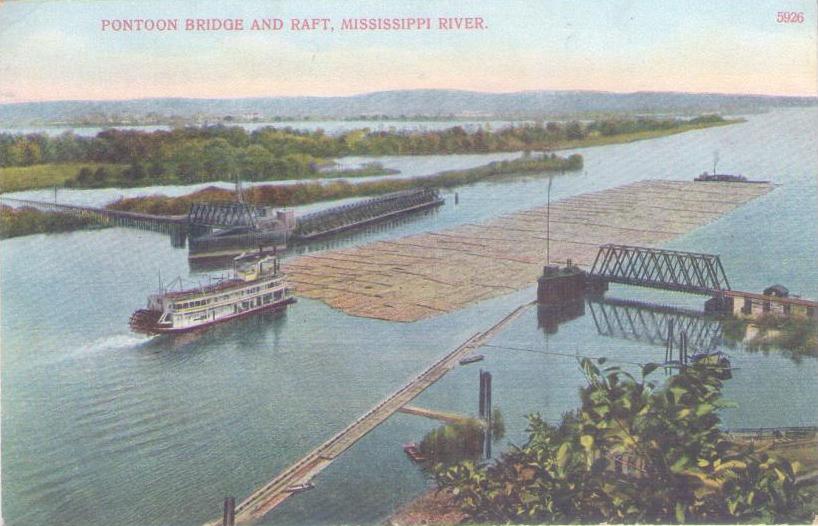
(365, 263)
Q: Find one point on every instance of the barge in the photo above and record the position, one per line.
(255, 285)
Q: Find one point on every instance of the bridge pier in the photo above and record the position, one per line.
(178, 236)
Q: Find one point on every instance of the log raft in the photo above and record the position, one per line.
(425, 275)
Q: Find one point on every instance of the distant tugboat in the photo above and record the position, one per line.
(730, 178)
(256, 285)
(722, 178)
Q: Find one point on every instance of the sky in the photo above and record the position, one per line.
(57, 50)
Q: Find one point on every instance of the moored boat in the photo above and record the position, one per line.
(255, 285)
(413, 452)
(471, 359)
(298, 488)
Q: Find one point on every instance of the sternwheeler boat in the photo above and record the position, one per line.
(255, 285)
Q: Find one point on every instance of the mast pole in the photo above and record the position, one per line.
(548, 224)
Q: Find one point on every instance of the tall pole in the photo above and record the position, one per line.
(548, 224)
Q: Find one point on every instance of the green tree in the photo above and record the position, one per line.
(219, 160)
(633, 453)
(85, 176)
(100, 175)
(573, 130)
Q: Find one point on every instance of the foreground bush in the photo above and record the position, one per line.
(633, 453)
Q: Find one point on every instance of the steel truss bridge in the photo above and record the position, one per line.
(222, 214)
(661, 269)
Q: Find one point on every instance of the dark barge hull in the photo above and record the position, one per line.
(214, 246)
(140, 320)
(369, 221)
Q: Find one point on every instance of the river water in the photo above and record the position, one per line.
(103, 427)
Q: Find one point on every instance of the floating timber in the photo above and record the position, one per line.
(424, 275)
(361, 213)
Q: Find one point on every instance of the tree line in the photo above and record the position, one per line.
(219, 152)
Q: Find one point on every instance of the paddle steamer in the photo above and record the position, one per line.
(255, 285)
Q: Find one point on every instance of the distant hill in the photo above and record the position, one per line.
(393, 104)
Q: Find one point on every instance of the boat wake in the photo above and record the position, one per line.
(116, 342)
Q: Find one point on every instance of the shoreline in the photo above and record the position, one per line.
(55, 172)
(314, 192)
(432, 507)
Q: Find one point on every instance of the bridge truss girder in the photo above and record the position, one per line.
(223, 215)
(659, 268)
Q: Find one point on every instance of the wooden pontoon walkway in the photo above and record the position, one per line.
(443, 416)
(278, 489)
(153, 222)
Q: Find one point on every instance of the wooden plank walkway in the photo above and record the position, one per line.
(434, 414)
(266, 498)
(424, 275)
(118, 217)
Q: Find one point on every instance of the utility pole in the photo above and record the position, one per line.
(548, 223)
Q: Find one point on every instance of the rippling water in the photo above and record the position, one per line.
(103, 427)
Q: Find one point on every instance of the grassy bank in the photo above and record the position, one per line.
(622, 138)
(107, 175)
(365, 170)
(18, 178)
(127, 158)
(305, 193)
(16, 222)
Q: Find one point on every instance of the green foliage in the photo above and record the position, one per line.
(632, 453)
(17, 178)
(25, 221)
(218, 153)
(303, 193)
(452, 443)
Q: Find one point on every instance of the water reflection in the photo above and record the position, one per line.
(652, 323)
(638, 321)
(549, 317)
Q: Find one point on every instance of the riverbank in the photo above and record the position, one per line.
(306, 193)
(432, 508)
(50, 175)
(794, 337)
(84, 176)
(130, 159)
(15, 222)
(604, 140)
